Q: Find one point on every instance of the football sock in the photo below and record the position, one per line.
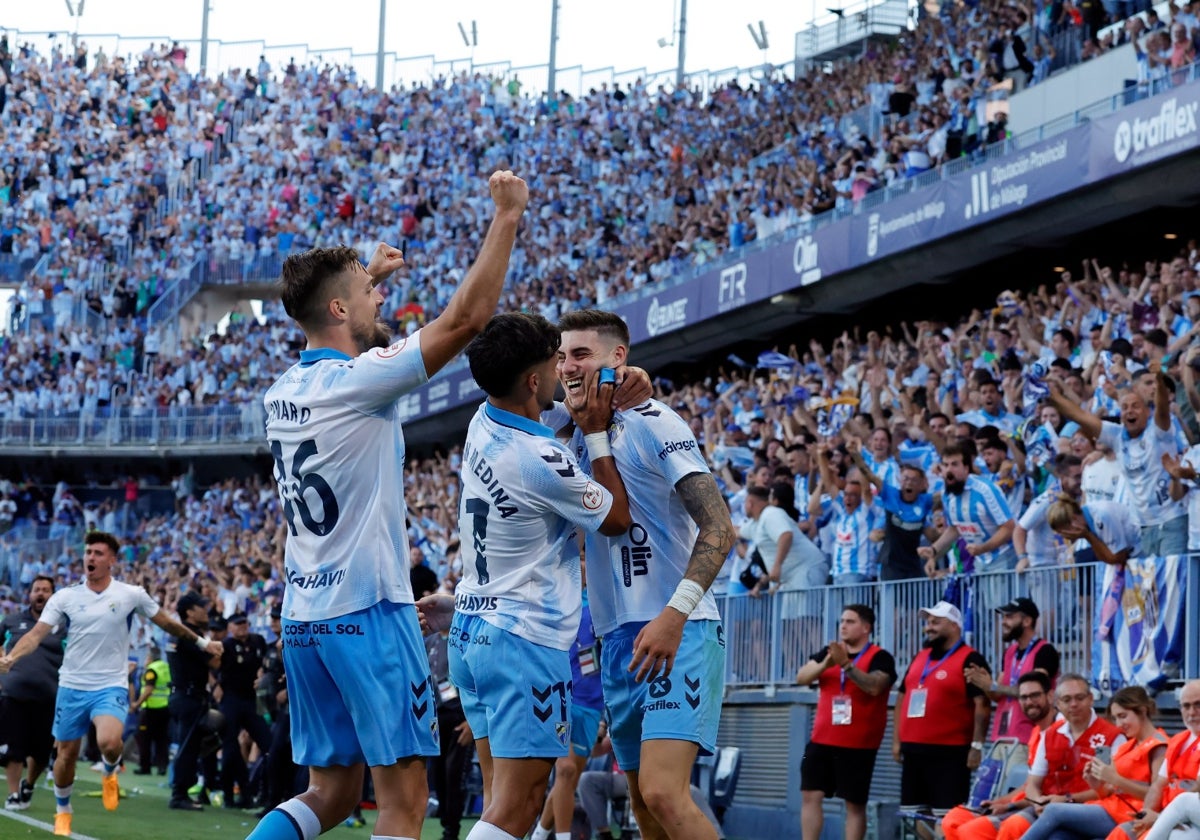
(62, 799)
(540, 832)
(110, 767)
(293, 820)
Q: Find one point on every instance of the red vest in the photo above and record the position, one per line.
(1010, 721)
(868, 715)
(949, 717)
(1131, 760)
(1182, 766)
(1067, 759)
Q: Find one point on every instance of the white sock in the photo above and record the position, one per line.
(62, 797)
(562, 835)
(389, 837)
(308, 822)
(486, 831)
(540, 832)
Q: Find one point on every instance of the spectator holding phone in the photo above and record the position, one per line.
(1176, 777)
(1122, 784)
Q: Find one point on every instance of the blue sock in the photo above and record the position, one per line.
(293, 820)
(110, 768)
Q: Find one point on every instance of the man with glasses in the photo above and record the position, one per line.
(1172, 805)
(1056, 772)
(1034, 697)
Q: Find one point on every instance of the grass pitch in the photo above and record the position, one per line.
(143, 815)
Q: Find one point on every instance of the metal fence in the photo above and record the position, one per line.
(194, 426)
(768, 638)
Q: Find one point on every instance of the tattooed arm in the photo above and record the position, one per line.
(655, 647)
(704, 503)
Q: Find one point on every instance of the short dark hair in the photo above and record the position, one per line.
(1067, 336)
(305, 281)
(605, 323)
(863, 612)
(510, 345)
(758, 492)
(46, 578)
(964, 449)
(1038, 677)
(93, 537)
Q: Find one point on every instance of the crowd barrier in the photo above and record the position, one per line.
(1151, 637)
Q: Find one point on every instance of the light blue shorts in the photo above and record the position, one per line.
(74, 709)
(514, 693)
(585, 725)
(359, 688)
(684, 706)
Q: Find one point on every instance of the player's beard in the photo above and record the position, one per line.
(955, 487)
(377, 334)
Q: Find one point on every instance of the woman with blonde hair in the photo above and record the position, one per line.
(1107, 529)
(1121, 784)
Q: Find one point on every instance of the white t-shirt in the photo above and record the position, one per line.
(1192, 459)
(1115, 525)
(97, 625)
(1103, 481)
(632, 577)
(1141, 463)
(333, 424)
(523, 495)
(803, 561)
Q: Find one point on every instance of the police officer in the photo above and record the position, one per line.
(153, 732)
(240, 665)
(189, 698)
(281, 770)
(27, 694)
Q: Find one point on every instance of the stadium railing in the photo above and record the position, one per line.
(124, 426)
(769, 637)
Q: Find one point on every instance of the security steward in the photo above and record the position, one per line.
(154, 720)
(853, 678)
(238, 678)
(27, 694)
(189, 701)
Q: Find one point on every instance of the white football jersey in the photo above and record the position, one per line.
(631, 577)
(523, 496)
(333, 424)
(97, 627)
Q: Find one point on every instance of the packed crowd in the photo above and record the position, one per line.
(838, 436)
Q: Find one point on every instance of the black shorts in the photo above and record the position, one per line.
(25, 726)
(844, 772)
(934, 776)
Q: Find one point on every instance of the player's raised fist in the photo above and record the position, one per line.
(508, 191)
(384, 262)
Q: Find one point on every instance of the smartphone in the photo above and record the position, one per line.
(608, 376)
(1104, 754)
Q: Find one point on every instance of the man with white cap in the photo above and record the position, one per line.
(940, 719)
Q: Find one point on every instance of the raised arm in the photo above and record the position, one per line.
(1088, 422)
(476, 299)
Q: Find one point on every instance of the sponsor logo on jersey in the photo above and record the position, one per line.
(676, 446)
(316, 580)
(593, 497)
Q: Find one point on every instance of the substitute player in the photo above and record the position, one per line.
(93, 681)
(352, 644)
(663, 651)
(517, 608)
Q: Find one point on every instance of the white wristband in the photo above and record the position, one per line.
(687, 596)
(202, 642)
(597, 445)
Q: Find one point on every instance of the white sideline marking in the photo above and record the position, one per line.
(13, 815)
